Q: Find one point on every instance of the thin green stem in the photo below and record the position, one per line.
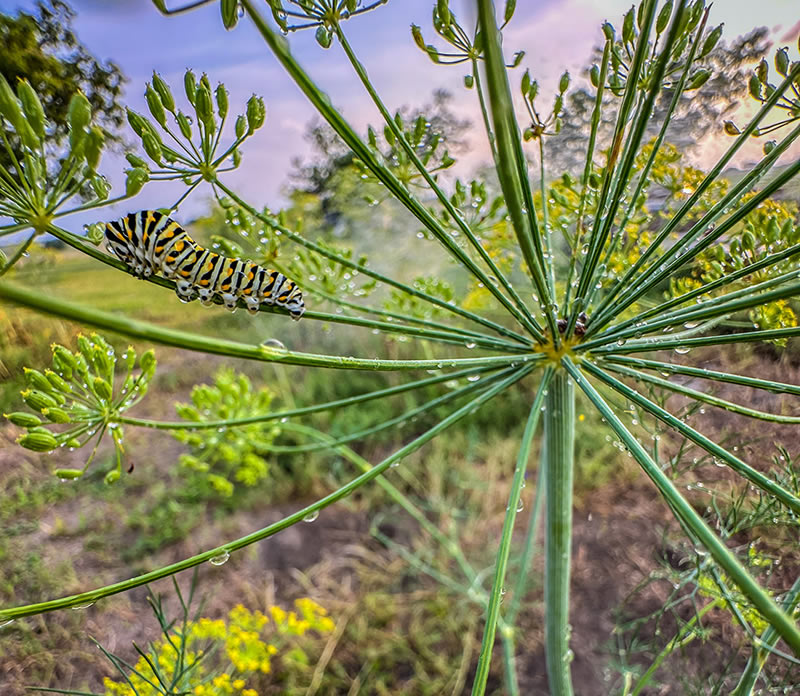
(395, 494)
(347, 263)
(659, 309)
(782, 623)
(512, 165)
(645, 172)
(501, 562)
(528, 550)
(476, 74)
(607, 203)
(704, 373)
(762, 648)
(702, 396)
(510, 663)
(666, 342)
(467, 336)
(736, 301)
(742, 468)
(344, 491)
(403, 418)
(320, 101)
(684, 636)
(207, 344)
(688, 206)
(704, 229)
(19, 253)
(520, 311)
(303, 411)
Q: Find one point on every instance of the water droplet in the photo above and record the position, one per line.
(682, 350)
(520, 506)
(470, 344)
(311, 516)
(621, 341)
(78, 607)
(473, 378)
(222, 559)
(691, 325)
(274, 345)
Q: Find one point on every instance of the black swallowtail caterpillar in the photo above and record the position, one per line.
(150, 242)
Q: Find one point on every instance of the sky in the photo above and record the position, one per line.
(555, 34)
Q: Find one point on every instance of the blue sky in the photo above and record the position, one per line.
(556, 34)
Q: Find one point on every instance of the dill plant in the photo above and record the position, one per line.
(573, 271)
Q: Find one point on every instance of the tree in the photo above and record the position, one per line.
(698, 114)
(42, 48)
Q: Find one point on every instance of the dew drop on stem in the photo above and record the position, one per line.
(682, 350)
(311, 516)
(274, 345)
(221, 559)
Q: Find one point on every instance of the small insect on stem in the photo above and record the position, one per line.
(580, 325)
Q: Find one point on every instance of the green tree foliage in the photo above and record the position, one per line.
(42, 47)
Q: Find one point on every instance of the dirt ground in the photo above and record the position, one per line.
(623, 533)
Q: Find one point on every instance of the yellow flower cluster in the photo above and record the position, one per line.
(241, 638)
(312, 617)
(770, 228)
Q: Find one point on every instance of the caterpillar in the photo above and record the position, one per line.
(150, 242)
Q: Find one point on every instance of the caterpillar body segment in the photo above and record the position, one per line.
(150, 243)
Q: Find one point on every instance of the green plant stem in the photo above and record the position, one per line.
(557, 465)
(406, 417)
(645, 171)
(696, 395)
(684, 636)
(501, 562)
(512, 167)
(18, 254)
(466, 334)
(344, 491)
(667, 341)
(704, 373)
(476, 74)
(455, 309)
(528, 550)
(607, 307)
(730, 303)
(587, 171)
(303, 411)
(518, 310)
(610, 194)
(703, 234)
(395, 494)
(762, 648)
(686, 514)
(510, 662)
(729, 279)
(280, 48)
(191, 341)
(742, 468)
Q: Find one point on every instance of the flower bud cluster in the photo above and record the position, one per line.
(186, 145)
(36, 181)
(322, 15)
(78, 393)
